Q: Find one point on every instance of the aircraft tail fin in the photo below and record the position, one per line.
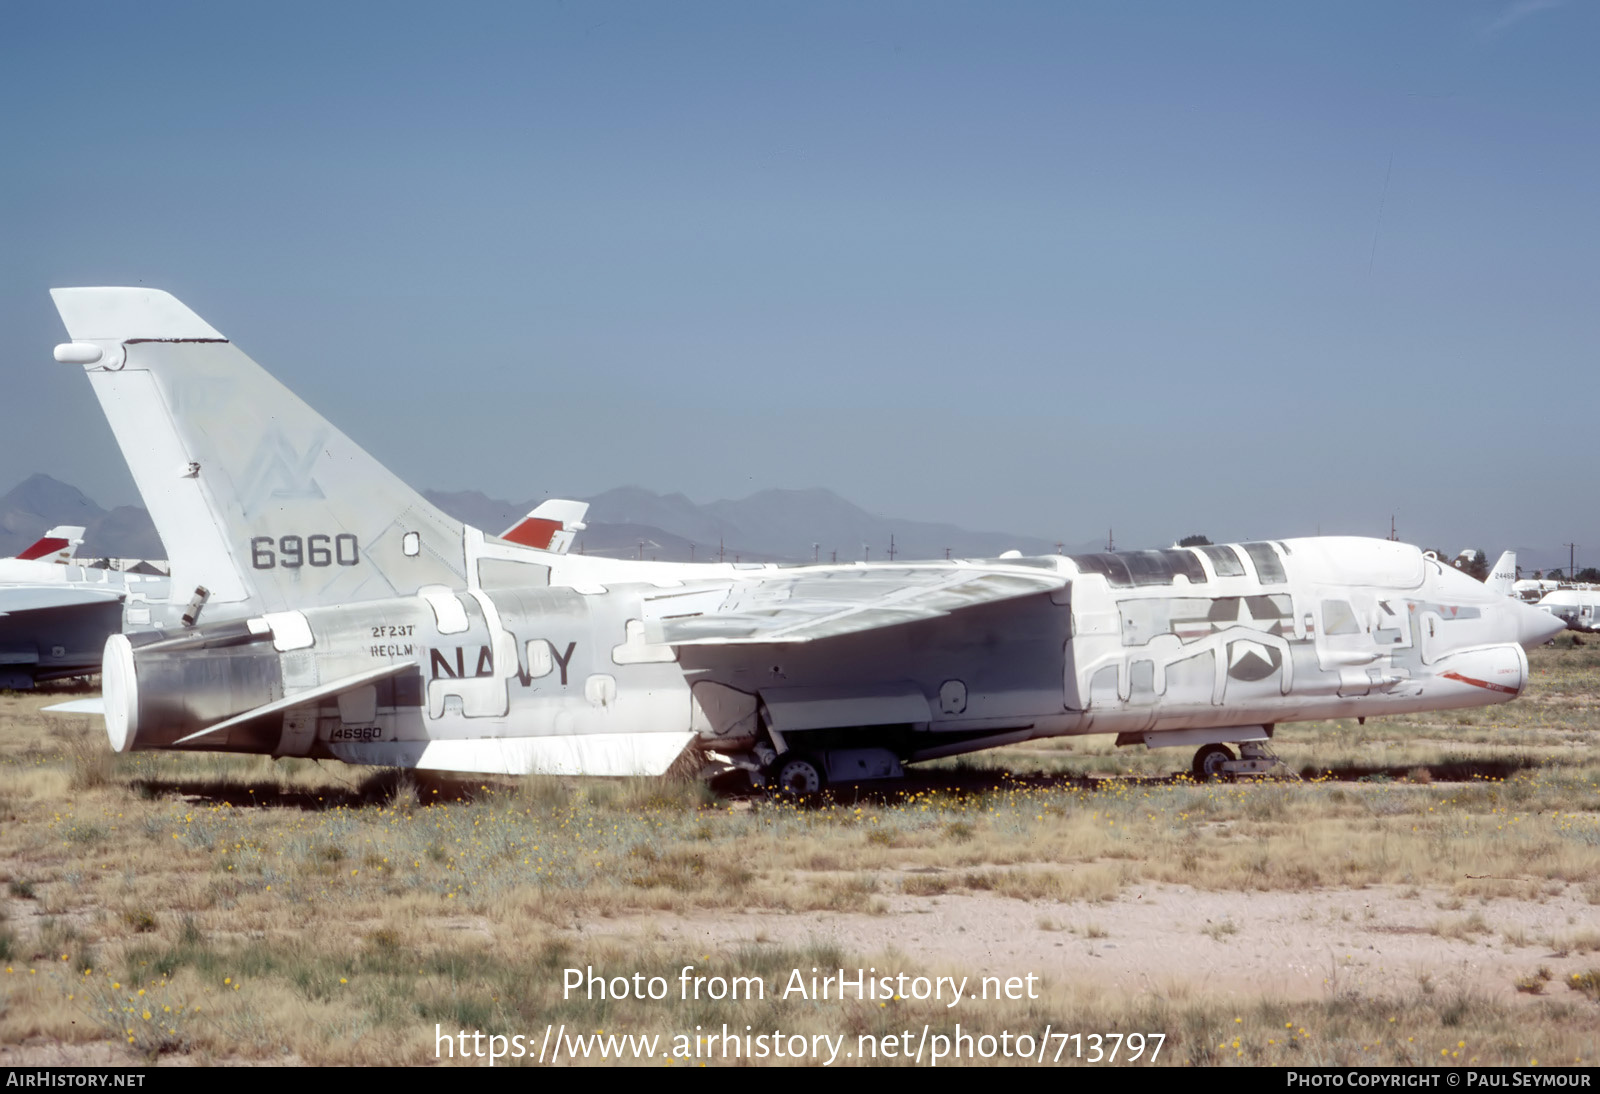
(551, 526)
(59, 544)
(1503, 576)
(257, 498)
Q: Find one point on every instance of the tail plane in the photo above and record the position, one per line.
(258, 498)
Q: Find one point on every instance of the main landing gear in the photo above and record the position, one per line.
(1218, 761)
(1211, 762)
(802, 772)
(797, 775)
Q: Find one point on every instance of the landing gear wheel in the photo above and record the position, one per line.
(1209, 760)
(797, 776)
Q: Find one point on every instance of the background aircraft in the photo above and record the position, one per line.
(56, 614)
(1578, 608)
(57, 545)
(337, 614)
(1502, 576)
(551, 526)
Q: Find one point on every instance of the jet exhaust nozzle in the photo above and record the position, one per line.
(156, 694)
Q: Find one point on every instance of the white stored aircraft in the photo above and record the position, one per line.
(1577, 607)
(338, 614)
(56, 614)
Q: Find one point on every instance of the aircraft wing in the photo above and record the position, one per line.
(15, 599)
(805, 605)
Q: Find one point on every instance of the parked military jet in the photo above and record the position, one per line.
(55, 614)
(1577, 607)
(337, 614)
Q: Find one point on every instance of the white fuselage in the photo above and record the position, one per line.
(55, 617)
(562, 675)
(1578, 609)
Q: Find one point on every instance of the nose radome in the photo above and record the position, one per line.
(1535, 627)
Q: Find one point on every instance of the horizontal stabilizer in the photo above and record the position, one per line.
(300, 698)
(805, 605)
(95, 707)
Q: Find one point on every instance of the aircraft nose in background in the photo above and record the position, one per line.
(1534, 627)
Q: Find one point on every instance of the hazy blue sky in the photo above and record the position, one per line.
(1248, 269)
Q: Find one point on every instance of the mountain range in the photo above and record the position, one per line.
(40, 502)
(628, 522)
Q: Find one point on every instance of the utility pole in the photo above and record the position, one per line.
(1394, 537)
(1111, 541)
(816, 551)
(891, 546)
(691, 552)
(720, 557)
(1572, 559)
(947, 554)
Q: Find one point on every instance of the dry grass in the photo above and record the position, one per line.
(282, 910)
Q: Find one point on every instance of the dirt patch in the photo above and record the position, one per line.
(1175, 941)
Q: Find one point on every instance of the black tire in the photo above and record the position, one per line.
(1208, 762)
(798, 775)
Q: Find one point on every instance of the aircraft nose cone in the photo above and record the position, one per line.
(1534, 627)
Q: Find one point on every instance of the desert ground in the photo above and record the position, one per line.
(1416, 890)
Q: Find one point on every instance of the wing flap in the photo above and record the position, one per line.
(811, 604)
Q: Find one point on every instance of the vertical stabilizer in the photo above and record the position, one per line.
(57, 545)
(549, 527)
(255, 495)
(1503, 577)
